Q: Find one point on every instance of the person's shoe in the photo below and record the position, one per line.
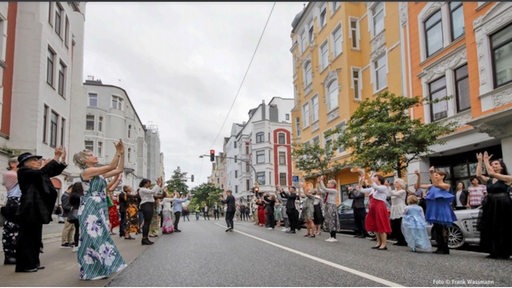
(40, 267)
(75, 249)
(64, 245)
(382, 248)
(229, 229)
(129, 238)
(177, 230)
(145, 241)
(9, 261)
(376, 247)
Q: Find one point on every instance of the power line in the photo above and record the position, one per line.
(245, 75)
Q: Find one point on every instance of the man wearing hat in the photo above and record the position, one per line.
(37, 200)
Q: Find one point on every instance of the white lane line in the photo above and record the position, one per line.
(329, 263)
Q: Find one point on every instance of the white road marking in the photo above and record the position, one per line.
(329, 263)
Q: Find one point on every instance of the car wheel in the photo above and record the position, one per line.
(455, 237)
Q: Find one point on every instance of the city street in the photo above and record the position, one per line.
(205, 255)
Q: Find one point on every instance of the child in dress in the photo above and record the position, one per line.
(414, 226)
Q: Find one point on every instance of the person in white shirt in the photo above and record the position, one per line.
(147, 205)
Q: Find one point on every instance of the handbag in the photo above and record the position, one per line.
(73, 216)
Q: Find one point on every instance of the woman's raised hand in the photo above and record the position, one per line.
(119, 146)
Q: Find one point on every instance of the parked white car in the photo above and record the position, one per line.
(463, 231)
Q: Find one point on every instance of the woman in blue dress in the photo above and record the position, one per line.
(439, 208)
(97, 254)
(495, 221)
(414, 226)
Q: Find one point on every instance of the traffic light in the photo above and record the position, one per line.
(212, 155)
(192, 178)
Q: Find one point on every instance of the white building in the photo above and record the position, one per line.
(41, 50)
(259, 150)
(155, 159)
(110, 117)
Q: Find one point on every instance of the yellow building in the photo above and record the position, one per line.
(343, 53)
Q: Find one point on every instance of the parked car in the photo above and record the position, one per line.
(346, 215)
(463, 231)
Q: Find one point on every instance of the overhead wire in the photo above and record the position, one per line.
(243, 79)
(245, 75)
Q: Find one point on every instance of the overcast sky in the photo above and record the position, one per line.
(182, 65)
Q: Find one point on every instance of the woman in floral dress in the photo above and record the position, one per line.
(97, 254)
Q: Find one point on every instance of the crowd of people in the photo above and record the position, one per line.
(92, 210)
(396, 212)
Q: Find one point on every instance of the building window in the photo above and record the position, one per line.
(378, 18)
(100, 123)
(50, 60)
(457, 19)
(50, 13)
(308, 74)
(297, 126)
(380, 72)
(236, 174)
(332, 95)
(304, 42)
(323, 16)
(54, 120)
(501, 46)
(462, 88)
(62, 78)
(234, 144)
(282, 179)
(260, 157)
(356, 83)
(335, 5)
(100, 149)
(434, 33)
(89, 122)
(314, 109)
(66, 33)
(129, 154)
(260, 137)
(58, 19)
(117, 102)
(310, 33)
(260, 177)
(282, 158)
(438, 102)
(93, 100)
(336, 41)
(62, 130)
(129, 131)
(305, 115)
(89, 145)
(324, 55)
(354, 32)
(287, 117)
(281, 138)
(45, 123)
(236, 158)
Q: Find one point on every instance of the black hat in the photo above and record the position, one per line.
(25, 156)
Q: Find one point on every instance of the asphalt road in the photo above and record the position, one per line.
(205, 255)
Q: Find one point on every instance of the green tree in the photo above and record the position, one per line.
(384, 137)
(177, 182)
(205, 193)
(314, 160)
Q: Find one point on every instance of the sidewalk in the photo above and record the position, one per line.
(62, 269)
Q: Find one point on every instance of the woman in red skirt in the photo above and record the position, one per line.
(377, 219)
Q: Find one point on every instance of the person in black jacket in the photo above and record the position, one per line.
(359, 210)
(291, 210)
(229, 200)
(37, 200)
(461, 196)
